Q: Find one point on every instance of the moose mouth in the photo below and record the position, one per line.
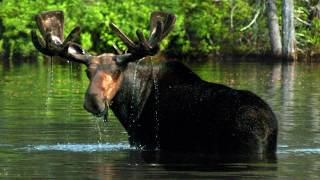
(104, 114)
(100, 114)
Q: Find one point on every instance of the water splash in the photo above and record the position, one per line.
(305, 151)
(79, 147)
(285, 149)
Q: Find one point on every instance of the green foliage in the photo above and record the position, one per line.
(86, 40)
(314, 37)
(307, 28)
(202, 26)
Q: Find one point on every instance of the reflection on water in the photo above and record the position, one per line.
(45, 132)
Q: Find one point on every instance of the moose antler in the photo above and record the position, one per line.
(51, 27)
(51, 24)
(160, 25)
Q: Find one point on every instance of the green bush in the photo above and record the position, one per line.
(202, 26)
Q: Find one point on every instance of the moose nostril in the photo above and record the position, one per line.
(93, 104)
(92, 108)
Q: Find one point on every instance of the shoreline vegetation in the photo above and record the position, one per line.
(254, 29)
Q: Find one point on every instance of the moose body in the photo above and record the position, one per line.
(174, 110)
(164, 105)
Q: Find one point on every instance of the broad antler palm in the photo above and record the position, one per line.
(160, 25)
(51, 27)
(52, 44)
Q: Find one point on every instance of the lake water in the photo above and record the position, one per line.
(45, 133)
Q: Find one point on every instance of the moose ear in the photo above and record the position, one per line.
(122, 59)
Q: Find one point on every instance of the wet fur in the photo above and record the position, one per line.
(186, 113)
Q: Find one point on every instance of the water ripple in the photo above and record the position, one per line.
(302, 151)
(5, 145)
(79, 147)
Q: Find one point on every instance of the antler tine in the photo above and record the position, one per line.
(51, 26)
(167, 19)
(73, 35)
(156, 35)
(40, 44)
(118, 51)
(160, 25)
(143, 40)
(129, 43)
(154, 18)
(67, 50)
(169, 22)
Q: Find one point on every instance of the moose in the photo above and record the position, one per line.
(162, 104)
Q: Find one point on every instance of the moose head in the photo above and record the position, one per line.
(104, 71)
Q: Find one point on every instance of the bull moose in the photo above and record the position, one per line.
(162, 104)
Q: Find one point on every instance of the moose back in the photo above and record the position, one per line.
(163, 104)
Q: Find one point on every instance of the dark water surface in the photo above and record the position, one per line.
(45, 133)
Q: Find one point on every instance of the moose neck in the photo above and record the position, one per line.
(142, 98)
(137, 87)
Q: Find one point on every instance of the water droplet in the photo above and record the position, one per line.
(99, 129)
(157, 103)
(50, 79)
(132, 115)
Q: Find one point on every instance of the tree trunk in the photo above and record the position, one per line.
(274, 30)
(288, 32)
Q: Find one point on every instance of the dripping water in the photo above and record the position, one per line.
(97, 120)
(106, 115)
(71, 89)
(132, 114)
(156, 110)
(50, 79)
(132, 111)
